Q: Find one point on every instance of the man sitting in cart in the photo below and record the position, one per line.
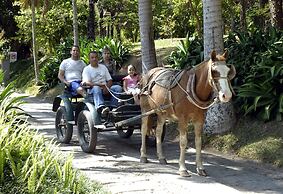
(70, 72)
(99, 79)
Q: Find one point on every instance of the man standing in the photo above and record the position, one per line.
(70, 72)
(98, 77)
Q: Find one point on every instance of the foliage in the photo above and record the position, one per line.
(22, 73)
(9, 104)
(258, 60)
(28, 162)
(1, 76)
(52, 27)
(119, 52)
(188, 54)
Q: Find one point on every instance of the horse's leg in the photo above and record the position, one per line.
(183, 144)
(159, 131)
(144, 127)
(198, 131)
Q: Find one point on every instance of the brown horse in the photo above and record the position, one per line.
(184, 97)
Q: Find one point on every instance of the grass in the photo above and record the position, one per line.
(163, 49)
(253, 139)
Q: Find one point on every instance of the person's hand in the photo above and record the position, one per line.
(104, 89)
(68, 83)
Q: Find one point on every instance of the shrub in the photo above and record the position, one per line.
(258, 60)
(188, 54)
(28, 162)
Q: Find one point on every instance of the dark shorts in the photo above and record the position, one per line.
(74, 85)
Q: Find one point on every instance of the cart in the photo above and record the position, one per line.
(75, 110)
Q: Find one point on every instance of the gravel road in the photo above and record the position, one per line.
(116, 164)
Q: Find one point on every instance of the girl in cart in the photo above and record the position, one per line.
(131, 83)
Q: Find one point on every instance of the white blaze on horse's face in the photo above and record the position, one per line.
(224, 91)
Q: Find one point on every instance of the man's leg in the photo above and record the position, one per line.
(116, 89)
(81, 91)
(97, 97)
(76, 88)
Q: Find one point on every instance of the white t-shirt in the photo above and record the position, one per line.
(96, 75)
(72, 69)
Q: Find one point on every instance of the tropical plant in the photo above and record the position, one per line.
(10, 104)
(257, 57)
(28, 162)
(188, 54)
(262, 94)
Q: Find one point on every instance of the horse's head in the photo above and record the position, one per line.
(221, 74)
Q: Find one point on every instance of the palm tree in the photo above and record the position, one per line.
(91, 20)
(75, 22)
(33, 4)
(146, 32)
(276, 13)
(212, 27)
(220, 117)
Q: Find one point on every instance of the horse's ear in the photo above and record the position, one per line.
(225, 54)
(213, 55)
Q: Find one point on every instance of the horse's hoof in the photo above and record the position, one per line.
(143, 160)
(201, 172)
(162, 161)
(184, 173)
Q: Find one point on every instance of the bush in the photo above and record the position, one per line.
(188, 54)
(258, 59)
(28, 162)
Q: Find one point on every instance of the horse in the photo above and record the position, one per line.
(183, 96)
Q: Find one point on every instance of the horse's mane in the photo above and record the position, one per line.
(200, 65)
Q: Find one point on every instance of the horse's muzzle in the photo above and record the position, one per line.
(225, 96)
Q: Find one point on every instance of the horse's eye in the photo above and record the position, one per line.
(215, 73)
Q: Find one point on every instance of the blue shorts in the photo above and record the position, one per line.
(74, 85)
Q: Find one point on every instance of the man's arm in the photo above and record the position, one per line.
(61, 77)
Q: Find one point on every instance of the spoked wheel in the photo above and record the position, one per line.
(64, 130)
(87, 133)
(125, 133)
(151, 138)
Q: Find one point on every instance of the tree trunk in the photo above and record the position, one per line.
(275, 7)
(34, 48)
(102, 30)
(212, 27)
(75, 23)
(91, 21)
(146, 33)
(243, 15)
(220, 117)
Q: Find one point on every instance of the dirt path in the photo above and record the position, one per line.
(116, 164)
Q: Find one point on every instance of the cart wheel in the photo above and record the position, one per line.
(151, 139)
(87, 133)
(64, 130)
(126, 133)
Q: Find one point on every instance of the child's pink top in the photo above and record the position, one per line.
(131, 81)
